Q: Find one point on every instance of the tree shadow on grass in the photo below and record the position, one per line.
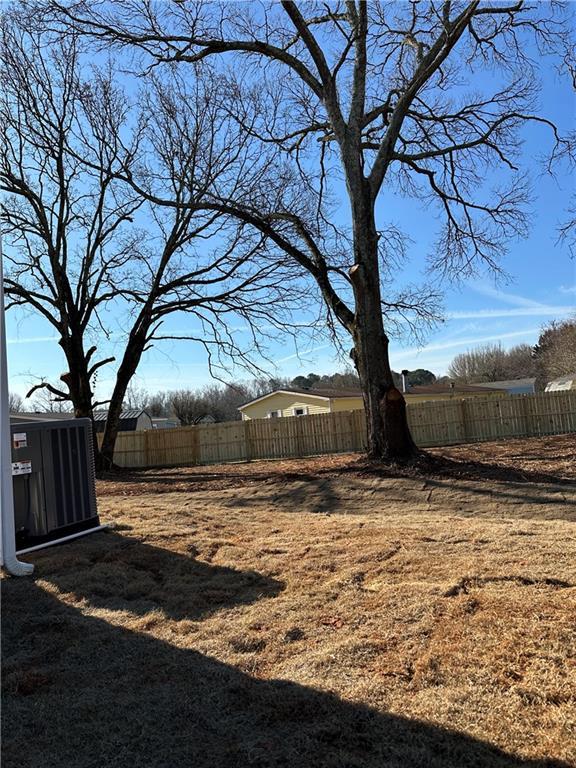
(329, 495)
(514, 492)
(428, 465)
(82, 693)
(319, 495)
(121, 573)
(425, 465)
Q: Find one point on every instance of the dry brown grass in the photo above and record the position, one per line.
(322, 615)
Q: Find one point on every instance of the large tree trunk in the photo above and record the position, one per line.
(126, 370)
(389, 437)
(78, 383)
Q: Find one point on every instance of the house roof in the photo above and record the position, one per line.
(446, 389)
(131, 414)
(564, 379)
(327, 393)
(206, 418)
(509, 383)
(562, 383)
(332, 394)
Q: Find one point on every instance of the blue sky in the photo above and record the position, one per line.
(543, 288)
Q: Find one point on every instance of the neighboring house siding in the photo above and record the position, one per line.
(286, 404)
(347, 404)
(164, 423)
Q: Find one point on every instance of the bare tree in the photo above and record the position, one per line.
(383, 96)
(48, 218)
(520, 362)
(188, 405)
(85, 248)
(14, 403)
(555, 352)
(217, 401)
(158, 404)
(136, 398)
(491, 362)
(220, 401)
(45, 402)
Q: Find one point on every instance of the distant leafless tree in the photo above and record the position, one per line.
(384, 97)
(555, 351)
(67, 244)
(45, 402)
(520, 362)
(136, 398)
(84, 248)
(15, 404)
(158, 405)
(568, 228)
(491, 362)
(218, 401)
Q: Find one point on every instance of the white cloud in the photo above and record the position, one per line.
(303, 354)
(507, 298)
(31, 339)
(567, 289)
(170, 364)
(418, 351)
(540, 310)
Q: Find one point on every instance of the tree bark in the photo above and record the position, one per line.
(389, 436)
(78, 383)
(126, 370)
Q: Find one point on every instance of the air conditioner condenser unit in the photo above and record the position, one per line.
(53, 479)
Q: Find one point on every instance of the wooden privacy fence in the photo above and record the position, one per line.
(446, 422)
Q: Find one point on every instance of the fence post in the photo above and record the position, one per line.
(526, 417)
(359, 431)
(194, 446)
(298, 430)
(465, 421)
(146, 449)
(248, 440)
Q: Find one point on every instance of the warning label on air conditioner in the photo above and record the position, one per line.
(19, 440)
(21, 467)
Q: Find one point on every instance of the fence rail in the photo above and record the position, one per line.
(432, 424)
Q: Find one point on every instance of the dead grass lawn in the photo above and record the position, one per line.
(312, 613)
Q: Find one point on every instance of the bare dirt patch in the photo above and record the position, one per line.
(304, 613)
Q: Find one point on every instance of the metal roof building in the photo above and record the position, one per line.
(130, 421)
(513, 386)
(562, 383)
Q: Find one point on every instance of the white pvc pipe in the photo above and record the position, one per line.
(8, 557)
(63, 539)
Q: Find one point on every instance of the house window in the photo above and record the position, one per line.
(300, 411)
(274, 414)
